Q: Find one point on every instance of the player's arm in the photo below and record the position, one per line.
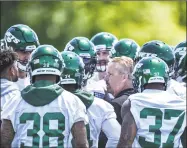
(128, 127)
(112, 129)
(79, 134)
(7, 132)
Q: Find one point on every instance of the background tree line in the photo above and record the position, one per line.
(57, 22)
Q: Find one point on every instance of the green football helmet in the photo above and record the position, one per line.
(150, 70)
(45, 60)
(73, 72)
(21, 38)
(104, 41)
(86, 50)
(126, 47)
(159, 49)
(180, 51)
(182, 70)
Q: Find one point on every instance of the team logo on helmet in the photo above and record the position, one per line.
(11, 38)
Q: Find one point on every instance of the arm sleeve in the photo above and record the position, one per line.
(112, 129)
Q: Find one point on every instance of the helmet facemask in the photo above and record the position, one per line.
(90, 64)
(102, 61)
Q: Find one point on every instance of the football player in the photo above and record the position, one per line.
(162, 50)
(45, 115)
(154, 117)
(86, 50)
(8, 75)
(104, 43)
(100, 113)
(23, 40)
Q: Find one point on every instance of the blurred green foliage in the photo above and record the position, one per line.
(57, 22)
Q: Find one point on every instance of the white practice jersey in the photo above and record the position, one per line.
(9, 91)
(177, 88)
(97, 88)
(102, 117)
(49, 125)
(160, 118)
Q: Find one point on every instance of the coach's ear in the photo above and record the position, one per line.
(124, 77)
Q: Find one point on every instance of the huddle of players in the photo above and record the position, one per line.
(45, 113)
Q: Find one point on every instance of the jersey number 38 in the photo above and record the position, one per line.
(47, 132)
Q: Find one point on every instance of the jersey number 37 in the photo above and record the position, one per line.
(159, 119)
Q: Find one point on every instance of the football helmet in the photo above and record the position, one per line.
(86, 50)
(126, 47)
(103, 42)
(180, 51)
(45, 60)
(159, 49)
(150, 70)
(73, 72)
(21, 38)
